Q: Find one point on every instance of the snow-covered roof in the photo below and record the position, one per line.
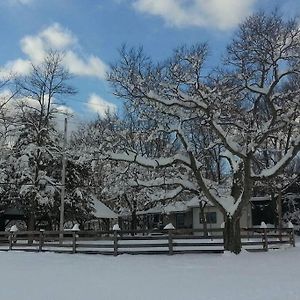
(178, 206)
(183, 206)
(101, 210)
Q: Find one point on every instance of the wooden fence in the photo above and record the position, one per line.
(141, 242)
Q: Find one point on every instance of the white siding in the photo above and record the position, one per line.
(246, 219)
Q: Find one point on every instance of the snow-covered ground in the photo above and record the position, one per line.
(250, 276)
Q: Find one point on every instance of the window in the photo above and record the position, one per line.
(180, 220)
(211, 217)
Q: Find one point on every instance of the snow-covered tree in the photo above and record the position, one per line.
(37, 143)
(244, 108)
(111, 181)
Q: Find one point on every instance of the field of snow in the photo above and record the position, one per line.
(249, 276)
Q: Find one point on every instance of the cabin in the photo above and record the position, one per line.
(187, 214)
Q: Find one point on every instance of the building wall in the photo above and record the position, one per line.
(245, 220)
(173, 218)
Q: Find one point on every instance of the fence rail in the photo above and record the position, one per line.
(142, 242)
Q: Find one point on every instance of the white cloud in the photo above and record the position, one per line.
(96, 104)
(18, 66)
(58, 37)
(34, 47)
(92, 66)
(221, 14)
(55, 37)
(66, 110)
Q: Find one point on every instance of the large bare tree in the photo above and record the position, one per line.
(245, 108)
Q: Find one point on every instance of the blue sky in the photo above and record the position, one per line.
(91, 31)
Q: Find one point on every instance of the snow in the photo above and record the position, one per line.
(148, 162)
(169, 226)
(290, 224)
(249, 276)
(287, 157)
(233, 159)
(14, 228)
(263, 225)
(76, 227)
(116, 227)
(101, 210)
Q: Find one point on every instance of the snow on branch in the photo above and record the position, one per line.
(282, 163)
(166, 194)
(149, 162)
(220, 196)
(161, 182)
(170, 128)
(228, 140)
(185, 101)
(234, 161)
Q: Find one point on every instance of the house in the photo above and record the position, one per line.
(263, 209)
(186, 214)
(8, 215)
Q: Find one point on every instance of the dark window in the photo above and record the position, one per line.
(211, 217)
(179, 220)
(156, 218)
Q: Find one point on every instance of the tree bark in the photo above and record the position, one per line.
(232, 235)
(133, 224)
(31, 227)
(203, 219)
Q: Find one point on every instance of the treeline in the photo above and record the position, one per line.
(220, 136)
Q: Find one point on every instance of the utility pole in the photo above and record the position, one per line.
(63, 184)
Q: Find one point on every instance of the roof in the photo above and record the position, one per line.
(183, 206)
(101, 210)
(178, 206)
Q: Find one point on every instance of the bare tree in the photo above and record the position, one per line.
(243, 109)
(8, 92)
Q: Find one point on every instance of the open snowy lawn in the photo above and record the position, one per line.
(249, 276)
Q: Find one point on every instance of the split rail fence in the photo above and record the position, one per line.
(142, 242)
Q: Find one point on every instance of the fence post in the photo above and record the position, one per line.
(223, 234)
(41, 240)
(170, 240)
(12, 233)
(292, 233)
(74, 242)
(169, 227)
(75, 229)
(116, 228)
(265, 236)
(10, 240)
(266, 246)
(115, 243)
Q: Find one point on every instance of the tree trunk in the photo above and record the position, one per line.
(279, 211)
(31, 227)
(133, 224)
(203, 221)
(31, 223)
(232, 235)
